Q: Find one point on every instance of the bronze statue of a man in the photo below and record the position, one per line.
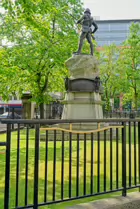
(86, 21)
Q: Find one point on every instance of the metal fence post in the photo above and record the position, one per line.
(124, 159)
(7, 169)
(139, 151)
(36, 165)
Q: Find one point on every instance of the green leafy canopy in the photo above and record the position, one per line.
(42, 35)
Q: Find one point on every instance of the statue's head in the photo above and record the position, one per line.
(87, 11)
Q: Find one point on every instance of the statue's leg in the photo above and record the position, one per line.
(82, 37)
(88, 37)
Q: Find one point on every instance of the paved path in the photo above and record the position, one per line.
(131, 201)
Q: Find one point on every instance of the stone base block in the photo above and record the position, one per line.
(82, 105)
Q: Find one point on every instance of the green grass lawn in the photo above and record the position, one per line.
(58, 169)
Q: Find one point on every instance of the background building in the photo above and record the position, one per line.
(112, 31)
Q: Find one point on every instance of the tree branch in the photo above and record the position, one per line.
(53, 30)
(46, 78)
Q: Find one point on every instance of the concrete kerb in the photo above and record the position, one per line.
(132, 200)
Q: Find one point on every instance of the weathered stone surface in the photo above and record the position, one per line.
(83, 66)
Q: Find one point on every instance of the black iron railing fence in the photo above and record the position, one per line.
(122, 114)
(47, 165)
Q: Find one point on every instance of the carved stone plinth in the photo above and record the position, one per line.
(83, 96)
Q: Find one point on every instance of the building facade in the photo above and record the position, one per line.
(113, 31)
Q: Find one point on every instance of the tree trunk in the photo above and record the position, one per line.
(136, 101)
(41, 107)
(108, 108)
(108, 104)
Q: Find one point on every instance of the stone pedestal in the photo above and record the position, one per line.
(83, 97)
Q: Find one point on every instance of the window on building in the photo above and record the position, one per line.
(103, 27)
(118, 26)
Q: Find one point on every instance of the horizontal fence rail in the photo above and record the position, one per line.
(68, 121)
(122, 114)
(51, 164)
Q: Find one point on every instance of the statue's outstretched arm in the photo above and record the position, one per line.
(80, 20)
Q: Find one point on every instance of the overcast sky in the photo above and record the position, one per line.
(114, 9)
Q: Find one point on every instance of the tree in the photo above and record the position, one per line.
(130, 63)
(111, 75)
(43, 36)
